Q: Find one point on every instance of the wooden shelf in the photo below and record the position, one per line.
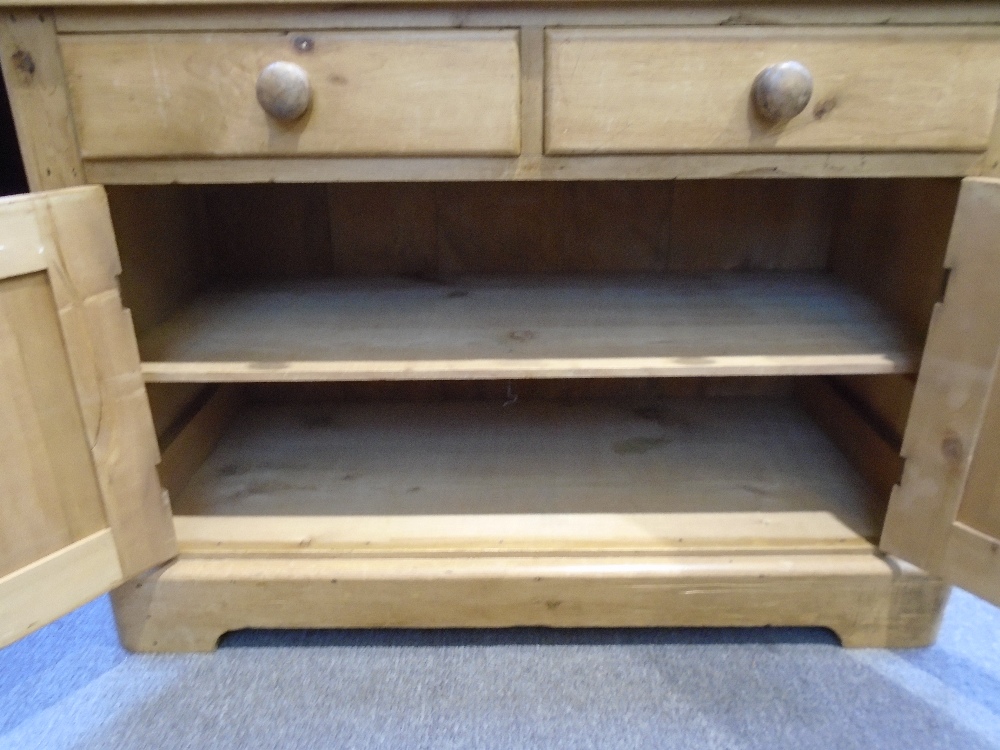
(715, 473)
(641, 326)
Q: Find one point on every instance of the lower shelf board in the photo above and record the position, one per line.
(739, 323)
(545, 477)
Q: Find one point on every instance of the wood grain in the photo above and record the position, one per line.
(163, 237)
(98, 339)
(723, 225)
(274, 231)
(884, 399)
(436, 231)
(89, 16)
(36, 87)
(874, 457)
(49, 496)
(448, 92)
(867, 600)
(945, 437)
(649, 90)
(534, 168)
(980, 506)
(735, 324)
(171, 405)
(972, 560)
(56, 584)
(890, 242)
(532, 44)
(552, 532)
(196, 440)
(81, 504)
(674, 456)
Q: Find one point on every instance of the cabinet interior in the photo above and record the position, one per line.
(620, 364)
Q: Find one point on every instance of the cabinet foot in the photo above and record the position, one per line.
(912, 621)
(144, 628)
(866, 599)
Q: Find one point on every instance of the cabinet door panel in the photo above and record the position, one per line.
(945, 514)
(80, 502)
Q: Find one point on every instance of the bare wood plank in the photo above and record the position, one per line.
(865, 599)
(434, 231)
(56, 584)
(980, 508)
(676, 456)
(482, 228)
(659, 167)
(169, 402)
(474, 369)
(267, 231)
(21, 249)
(551, 228)
(972, 559)
(742, 224)
(648, 90)
(438, 231)
(887, 398)
(382, 229)
(73, 213)
(195, 442)
(36, 85)
(126, 452)
(164, 240)
(100, 341)
(450, 92)
(497, 534)
(874, 458)
(891, 241)
(571, 390)
(532, 90)
(49, 495)
(639, 326)
(72, 18)
(606, 228)
(956, 374)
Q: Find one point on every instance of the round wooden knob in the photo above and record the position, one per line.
(782, 91)
(283, 90)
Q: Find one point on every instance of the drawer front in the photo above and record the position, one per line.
(659, 90)
(450, 92)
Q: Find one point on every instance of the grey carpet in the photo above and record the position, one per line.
(71, 686)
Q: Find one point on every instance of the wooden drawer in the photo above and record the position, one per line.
(649, 90)
(449, 92)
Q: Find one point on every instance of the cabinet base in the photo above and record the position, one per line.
(868, 600)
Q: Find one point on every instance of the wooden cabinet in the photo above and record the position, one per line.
(429, 333)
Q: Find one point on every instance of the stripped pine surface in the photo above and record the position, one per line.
(456, 472)
(714, 324)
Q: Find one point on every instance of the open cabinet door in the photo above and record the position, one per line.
(81, 507)
(945, 514)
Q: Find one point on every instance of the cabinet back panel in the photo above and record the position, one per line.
(890, 243)
(575, 390)
(886, 236)
(441, 230)
(159, 231)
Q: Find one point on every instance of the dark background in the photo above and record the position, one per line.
(12, 178)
